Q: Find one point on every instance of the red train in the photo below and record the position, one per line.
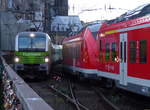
(80, 53)
(120, 52)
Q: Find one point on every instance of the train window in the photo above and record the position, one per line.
(107, 54)
(132, 52)
(69, 52)
(100, 45)
(63, 51)
(77, 52)
(143, 51)
(72, 52)
(79, 48)
(100, 54)
(113, 51)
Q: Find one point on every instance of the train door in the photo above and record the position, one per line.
(74, 59)
(123, 58)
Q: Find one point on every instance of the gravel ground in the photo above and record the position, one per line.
(85, 95)
(123, 99)
(42, 89)
(126, 100)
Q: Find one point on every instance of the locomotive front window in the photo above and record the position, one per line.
(24, 42)
(38, 43)
(31, 44)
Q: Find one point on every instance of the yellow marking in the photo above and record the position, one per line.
(111, 32)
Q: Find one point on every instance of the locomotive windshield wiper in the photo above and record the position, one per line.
(38, 49)
(25, 49)
(32, 49)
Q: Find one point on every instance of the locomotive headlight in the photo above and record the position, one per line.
(16, 59)
(32, 35)
(46, 60)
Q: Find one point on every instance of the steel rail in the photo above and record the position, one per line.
(73, 96)
(68, 98)
(108, 103)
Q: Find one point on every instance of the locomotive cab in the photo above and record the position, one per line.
(32, 52)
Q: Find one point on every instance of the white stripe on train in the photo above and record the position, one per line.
(133, 80)
(133, 28)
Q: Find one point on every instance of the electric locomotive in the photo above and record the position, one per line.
(33, 52)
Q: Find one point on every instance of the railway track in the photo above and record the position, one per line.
(71, 99)
(75, 99)
(132, 101)
(78, 95)
(74, 95)
(106, 102)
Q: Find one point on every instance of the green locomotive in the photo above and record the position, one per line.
(33, 52)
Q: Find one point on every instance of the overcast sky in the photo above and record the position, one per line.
(76, 7)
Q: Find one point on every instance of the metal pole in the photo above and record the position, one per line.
(0, 32)
(44, 21)
(46, 16)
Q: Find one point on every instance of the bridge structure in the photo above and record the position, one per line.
(17, 95)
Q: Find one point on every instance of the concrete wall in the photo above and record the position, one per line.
(8, 30)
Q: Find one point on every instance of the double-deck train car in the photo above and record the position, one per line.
(80, 53)
(33, 52)
(124, 50)
(120, 52)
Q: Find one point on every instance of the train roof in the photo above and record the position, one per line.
(28, 33)
(93, 28)
(140, 11)
(138, 18)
